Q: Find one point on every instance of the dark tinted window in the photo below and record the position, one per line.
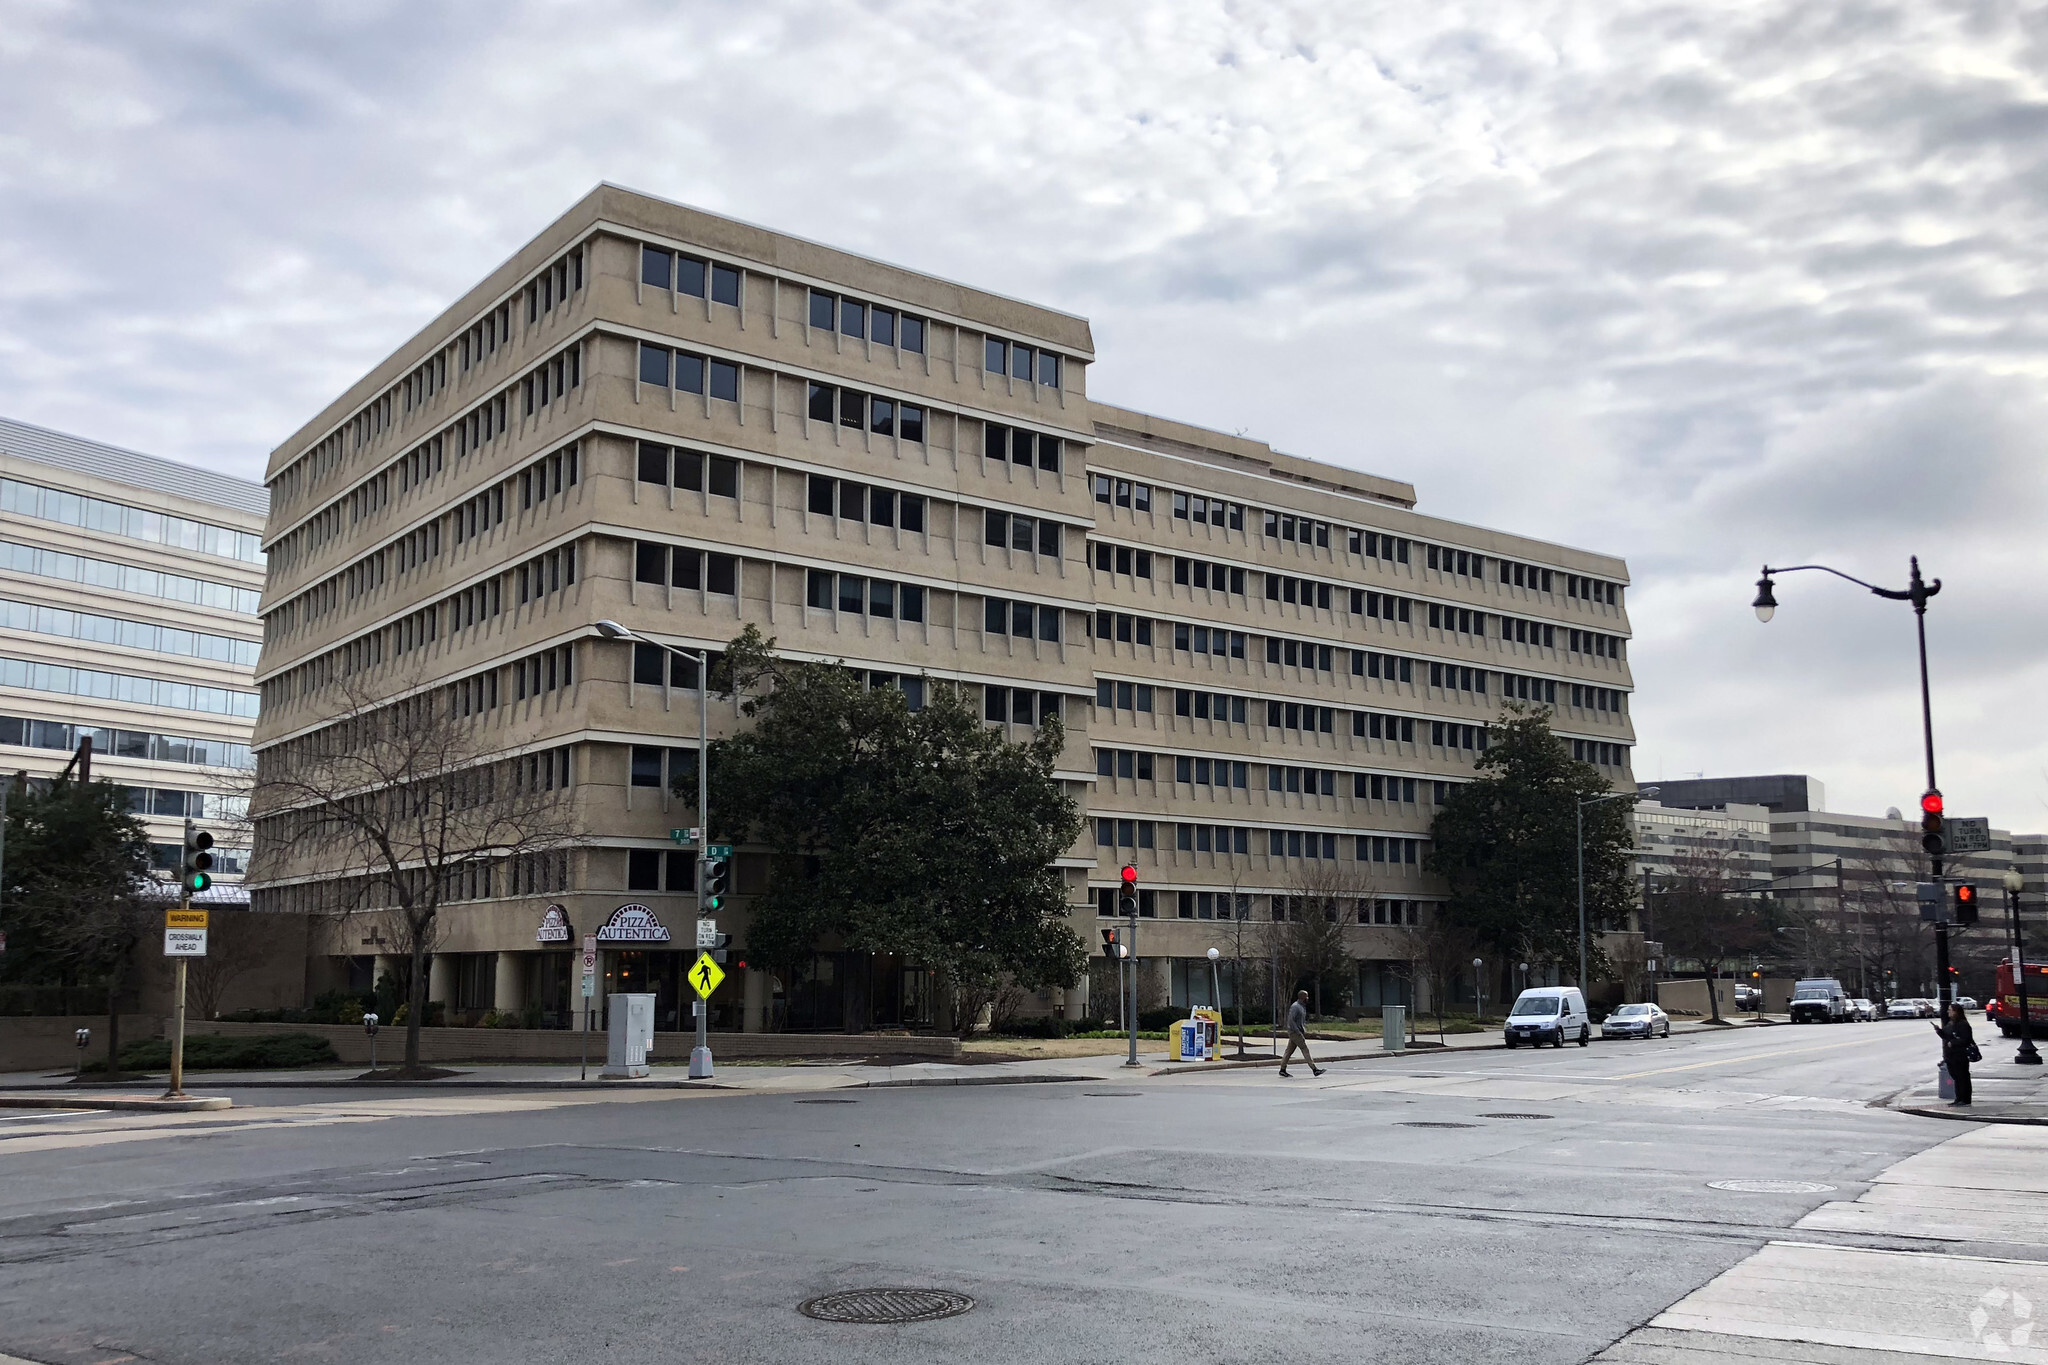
(646, 766)
(686, 570)
(1049, 453)
(821, 310)
(853, 591)
(882, 326)
(913, 602)
(853, 408)
(821, 399)
(689, 372)
(882, 507)
(690, 276)
(913, 334)
(818, 589)
(821, 494)
(653, 463)
(911, 515)
(653, 365)
(654, 267)
(725, 380)
(690, 470)
(995, 528)
(852, 500)
(724, 575)
(882, 417)
(1048, 368)
(647, 663)
(725, 285)
(910, 422)
(643, 865)
(853, 318)
(725, 476)
(995, 355)
(1020, 361)
(650, 562)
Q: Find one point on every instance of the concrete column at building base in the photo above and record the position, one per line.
(754, 1003)
(509, 990)
(441, 980)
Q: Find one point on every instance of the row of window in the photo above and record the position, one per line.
(1204, 511)
(1300, 654)
(1123, 627)
(1517, 687)
(133, 523)
(1019, 361)
(1200, 573)
(105, 573)
(1209, 640)
(547, 573)
(658, 667)
(1208, 705)
(673, 870)
(1019, 532)
(1601, 752)
(1300, 530)
(678, 566)
(1025, 449)
(554, 285)
(1123, 696)
(1593, 642)
(114, 630)
(547, 476)
(1021, 705)
(88, 682)
(1598, 698)
(552, 380)
(1123, 559)
(427, 379)
(859, 595)
(1592, 589)
(1463, 563)
(671, 769)
(144, 745)
(1307, 592)
(1118, 833)
(850, 501)
(1366, 663)
(864, 411)
(1123, 493)
(686, 469)
(689, 372)
(1021, 619)
(1458, 678)
(866, 321)
(681, 273)
(485, 335)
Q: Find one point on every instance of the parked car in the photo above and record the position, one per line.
(1902, 1008)
(1968, 1002)
(1636, 1021)
(1928, 1008)
(1820, 1000)
(1864, 1009)
(1549, 1014)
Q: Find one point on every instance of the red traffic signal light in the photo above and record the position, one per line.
(1931, 803)
(1130, 875)
(1931, 837)
(1966, 904)
(1111, 947)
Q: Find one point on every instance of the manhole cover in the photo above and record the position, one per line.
(1424, 1123)
(1770, 1186)
(1112, 1094)
(1517, 1116)
(885, 1305)
(828, 1101)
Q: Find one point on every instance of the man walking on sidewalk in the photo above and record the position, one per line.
(1297, 1034)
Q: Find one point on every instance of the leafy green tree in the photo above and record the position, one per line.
(891, 831)
(77, 901)
(1506, 844)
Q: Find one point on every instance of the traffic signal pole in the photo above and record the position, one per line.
(1129, 893)
(700, 1055)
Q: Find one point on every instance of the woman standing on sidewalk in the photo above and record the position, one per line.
(1958, 1050)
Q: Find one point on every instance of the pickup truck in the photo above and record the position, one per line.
(1820, 1000)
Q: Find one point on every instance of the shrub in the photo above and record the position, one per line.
(224, 1052)
(1050, 1026)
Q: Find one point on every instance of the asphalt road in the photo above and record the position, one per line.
(1484, 1207)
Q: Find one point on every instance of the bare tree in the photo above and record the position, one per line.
(1242, 939)
(234, 948)
(1703, 913)
(1437, 950)
(1315, 941)
(399, 803)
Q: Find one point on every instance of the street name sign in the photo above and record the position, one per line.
(718, 851)
(705, 976)
(1968, 835)
(686, 836)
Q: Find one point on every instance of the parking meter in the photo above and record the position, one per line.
(370, 1027)
(84, 1038)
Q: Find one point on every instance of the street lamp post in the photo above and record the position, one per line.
(2014, 884)
(1215, 993)
(700, 1055)
(1579, 815)
(1916, 591)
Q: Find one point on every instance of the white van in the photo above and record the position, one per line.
(1549, 1014)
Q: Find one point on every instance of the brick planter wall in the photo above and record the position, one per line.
(559, 1045)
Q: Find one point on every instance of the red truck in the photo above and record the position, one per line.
(2003, 1009)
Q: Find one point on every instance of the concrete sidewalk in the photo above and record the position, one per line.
(1940, 1258)
(2003, 1090)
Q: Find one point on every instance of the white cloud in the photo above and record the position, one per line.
(1702, 285)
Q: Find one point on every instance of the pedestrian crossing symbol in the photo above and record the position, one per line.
(705, 975)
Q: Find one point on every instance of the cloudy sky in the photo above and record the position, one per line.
(1701, 285)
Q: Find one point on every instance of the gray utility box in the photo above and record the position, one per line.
(1394, 1027)
(631, 1019)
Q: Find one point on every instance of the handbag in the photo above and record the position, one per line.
(1976, 1055)
(1944, 1084)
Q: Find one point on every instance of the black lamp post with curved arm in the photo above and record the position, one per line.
(1916, 591)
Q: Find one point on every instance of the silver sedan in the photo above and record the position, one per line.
(1636, 1021)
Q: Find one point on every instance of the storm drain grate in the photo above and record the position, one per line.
(885, 1305)
(1426, 1123)
(1517, 1116)
(1112, 1094)
(828, 1101)
(1770, 1186)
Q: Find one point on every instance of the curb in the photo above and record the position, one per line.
(30, 1097)
(1958, 1116)
(157, 1105)
(1382, 1054)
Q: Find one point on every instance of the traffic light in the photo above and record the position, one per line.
(195, 873)
(1113, 946)
(1931, 837)
(1127, 898)
(1966, 903)
(718, 947)
(717, 884)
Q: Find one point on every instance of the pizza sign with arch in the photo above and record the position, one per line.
(633, 924)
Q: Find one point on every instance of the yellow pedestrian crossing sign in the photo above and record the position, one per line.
(705, 975)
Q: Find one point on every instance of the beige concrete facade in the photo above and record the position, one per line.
(543, 417)
(128, 612)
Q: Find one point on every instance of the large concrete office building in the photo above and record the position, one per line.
(1268, 667)
(128, 614)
